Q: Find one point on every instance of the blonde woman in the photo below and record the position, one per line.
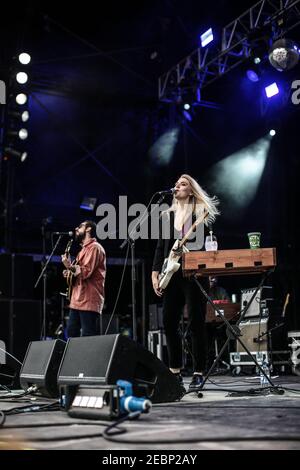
(189, 202)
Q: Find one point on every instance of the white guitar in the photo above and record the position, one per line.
(171, 264)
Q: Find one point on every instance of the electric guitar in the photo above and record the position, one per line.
(70, 275)
(171, 264)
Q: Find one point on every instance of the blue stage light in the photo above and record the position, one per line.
(252, 75)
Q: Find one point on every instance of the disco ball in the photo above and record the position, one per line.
(284, 54)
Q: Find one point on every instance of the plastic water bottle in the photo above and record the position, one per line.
(211, 243)
(263, 380)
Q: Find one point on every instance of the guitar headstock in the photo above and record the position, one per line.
(285, 304)
(68, 247)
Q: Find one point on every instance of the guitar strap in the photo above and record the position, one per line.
(192, 228)
(167, 242)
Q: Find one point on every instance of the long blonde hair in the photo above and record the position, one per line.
(200, 201)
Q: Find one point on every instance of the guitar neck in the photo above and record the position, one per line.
(191, 229)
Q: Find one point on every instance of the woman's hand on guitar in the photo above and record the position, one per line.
(155, 284)
(65, 272)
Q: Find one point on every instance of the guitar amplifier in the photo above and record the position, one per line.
(260, 304)
(251, 330)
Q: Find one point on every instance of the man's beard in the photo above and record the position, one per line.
(79, 237)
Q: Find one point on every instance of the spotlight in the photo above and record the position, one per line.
(272, 132)
(206, 37)
(21, 98)
(187, 106)
(25, 116)
(272, 90)
(15, 153)
(252, 75)
(23, 134)
(284, 55)
(23, 156)
(187, 116)
(24, 58)
(22, 77)
(88, 203)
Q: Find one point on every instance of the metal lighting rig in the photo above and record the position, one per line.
(205, 65)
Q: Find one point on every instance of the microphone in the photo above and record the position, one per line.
(259, 338)
(68, 234)
(168, 191)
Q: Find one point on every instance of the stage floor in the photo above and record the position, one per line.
(214, 422)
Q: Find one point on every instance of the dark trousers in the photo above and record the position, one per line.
(82, 321)
(179, 292)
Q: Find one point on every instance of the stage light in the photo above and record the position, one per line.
(22, 77)
(237, 177)
(23, 156)
(24, 58)
(25, 116)
(23, 134)
(187, 106)
(284, 54)
(88, 203)
(187, 115)
(272, 90)
(257, 60)
(21, 98)
(272, 132)
(206, 37)
(162, 150)
(252, 75)
(16, 153)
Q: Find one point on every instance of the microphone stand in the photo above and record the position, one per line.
(269, 335)
(43, 275)
(130, 239)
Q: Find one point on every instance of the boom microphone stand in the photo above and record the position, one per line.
(131, 240)
(43, 275)
(269, 336)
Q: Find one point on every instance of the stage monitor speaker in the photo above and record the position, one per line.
(20, 323)
(16, 276)
(105, 359)
(40, 366)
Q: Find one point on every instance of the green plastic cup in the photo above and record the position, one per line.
(254, 240)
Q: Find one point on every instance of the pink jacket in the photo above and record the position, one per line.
(88, 289)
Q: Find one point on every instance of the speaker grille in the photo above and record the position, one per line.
(40, 366)
(93, 360)
(87, 359)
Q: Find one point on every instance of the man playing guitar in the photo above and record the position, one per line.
(89, 270)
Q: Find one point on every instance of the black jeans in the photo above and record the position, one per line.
(181, 291)
(82, 321)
